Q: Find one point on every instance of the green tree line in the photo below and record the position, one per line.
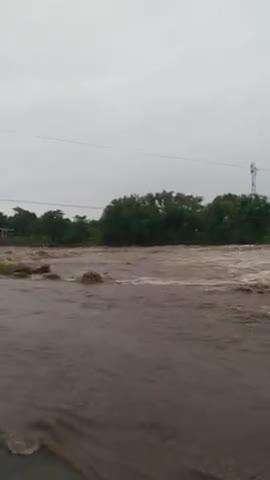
(51, 228)
(153, 219)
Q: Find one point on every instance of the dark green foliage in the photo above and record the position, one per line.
(23, 221)
(52, 228)
(237, 219)
(79, 230)
(153, 219)
(169, 218)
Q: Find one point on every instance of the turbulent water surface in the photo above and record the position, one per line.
(162, 372)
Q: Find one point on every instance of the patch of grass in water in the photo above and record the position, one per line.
(6, 268)
(14, 270)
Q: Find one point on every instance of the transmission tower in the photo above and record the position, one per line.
(253, 173)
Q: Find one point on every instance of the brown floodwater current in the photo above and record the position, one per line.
(161, 372)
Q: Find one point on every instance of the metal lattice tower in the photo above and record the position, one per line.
(253, 172)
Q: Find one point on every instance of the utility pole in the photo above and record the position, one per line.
(253, 173)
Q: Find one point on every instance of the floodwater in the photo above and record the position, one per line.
(162, 372)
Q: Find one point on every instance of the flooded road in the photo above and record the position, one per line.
(162, 372)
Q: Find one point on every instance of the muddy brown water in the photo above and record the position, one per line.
(160, 373)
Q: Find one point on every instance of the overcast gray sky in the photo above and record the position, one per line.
(177, 77)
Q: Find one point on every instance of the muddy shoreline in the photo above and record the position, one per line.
(160, 372)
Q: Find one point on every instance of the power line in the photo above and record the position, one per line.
(141, 151)
(137, 150)
(52, 204)
(133, 150)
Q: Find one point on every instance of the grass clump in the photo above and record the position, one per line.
(18, 270)
(90, 278)
(6, 268)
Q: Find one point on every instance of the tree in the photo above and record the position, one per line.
(180, 217)
(23, 222)
(158, 218)
(254, 218)
(237, 219)
(4, 220)
(153, 219)
(54, 226)
(78, 231)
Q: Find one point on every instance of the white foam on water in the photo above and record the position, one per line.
(259, 277)
(159, 281)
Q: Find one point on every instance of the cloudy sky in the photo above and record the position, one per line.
(183, 78)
